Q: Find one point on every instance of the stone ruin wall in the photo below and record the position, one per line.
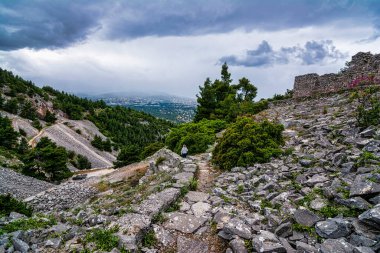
(362, 64)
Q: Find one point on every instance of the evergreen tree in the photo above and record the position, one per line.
(11, 106)
(47, 161)
(8, 136)
(50, 117)
(28, 111)
(127, 155)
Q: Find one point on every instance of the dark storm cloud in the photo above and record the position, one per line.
(46, 24)
(313, 52)
(55, 24)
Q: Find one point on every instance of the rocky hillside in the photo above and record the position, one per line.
(322, 195)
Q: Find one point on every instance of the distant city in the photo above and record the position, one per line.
(173, 108)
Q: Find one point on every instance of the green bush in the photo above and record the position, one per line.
(9, 204)
(82, 162)
(47, 161)
(247, 142)
(151, 149)
(368, 110)
(104, 239)
(127, 155)
(27, 224)
(196, 136)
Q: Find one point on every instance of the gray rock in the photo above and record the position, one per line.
(221, 218)
(267, 242)
(306, 163)
(363, 186)
(287, 246)
(354, 203)
(306, 217)
(183, 177)
(363, 250)
(187, 245)
(305, 248)
(236, 226)
(163, 236)
(20, 245)
(132, 226)
(318, 204)
(15, 216)
(184, 206)
(359, 240)
(185, 223)
(200, 209)
(194, 196)
(375, 200)
(371, 217)
(54, 243)
(284, 230)
(238, 246)
(316, 179)
(368, 132)
(336, 246)
(155, 203)
(333, 228)
(225, 236)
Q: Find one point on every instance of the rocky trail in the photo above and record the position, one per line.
(321, 195)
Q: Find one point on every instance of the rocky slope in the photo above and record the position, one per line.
(322, 195)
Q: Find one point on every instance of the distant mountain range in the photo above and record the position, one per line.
(165, 106)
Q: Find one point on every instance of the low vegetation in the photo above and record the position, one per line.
(9, 204)
(196, 136)
(247, 142)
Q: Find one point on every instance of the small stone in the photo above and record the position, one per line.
(306, 163)
(54, 243)
(363, 250)
(15, 216)
(318, 204)
(184, 206)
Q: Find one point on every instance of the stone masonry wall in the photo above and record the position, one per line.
(361, 65)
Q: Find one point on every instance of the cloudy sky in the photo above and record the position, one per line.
(171, 46)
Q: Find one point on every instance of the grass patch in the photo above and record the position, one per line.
(27, 224)
(193, 184)
(104, 239)
(149, 239)
(160, 160)
(240, 189)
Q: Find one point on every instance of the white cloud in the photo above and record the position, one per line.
(176, 65)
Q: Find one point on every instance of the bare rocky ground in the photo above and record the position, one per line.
(322, 195)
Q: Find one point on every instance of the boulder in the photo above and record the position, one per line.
(163, 236)
(194, 196)
(267, 242)
(336, 246)
(305, 217)
(187, 245)
(20, 245)
(363, 186)
(333, 228)
(371, 217)
(200, 209)
(185, 223)
(236, 226)
(238, 246)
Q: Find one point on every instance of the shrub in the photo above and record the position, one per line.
(151, 149)
(9, 204)
(246, 142)
(368, 110)
(82, 162)
(27, 224)
(47, 161)
(127, 155)
(196, 136)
